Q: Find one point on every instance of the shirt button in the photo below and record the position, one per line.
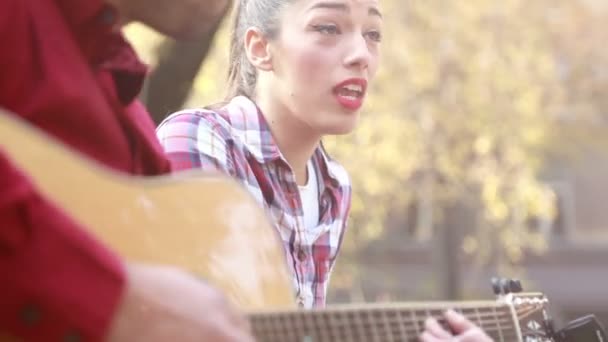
(72, 336)
(324, 201)
(107, 16)
(30, 315)
(301, 255)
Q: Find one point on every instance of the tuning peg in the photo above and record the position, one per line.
(504, 286)
(496, 286)
(515, 286)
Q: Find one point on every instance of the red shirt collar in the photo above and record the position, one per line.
(93, 23)
(81, 12)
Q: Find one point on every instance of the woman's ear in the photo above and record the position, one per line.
(258, 49)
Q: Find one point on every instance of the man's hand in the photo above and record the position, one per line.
(166, 304)
(180, 19)
(464, 329)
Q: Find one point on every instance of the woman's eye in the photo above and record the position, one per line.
(374, 35)
(327, 29)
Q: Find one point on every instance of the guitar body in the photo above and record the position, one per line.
(207, 224)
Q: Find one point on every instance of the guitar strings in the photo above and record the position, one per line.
(381, 324)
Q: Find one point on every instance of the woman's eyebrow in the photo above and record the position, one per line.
(342, 7)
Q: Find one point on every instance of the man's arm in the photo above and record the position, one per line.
(57, 281)
(59, 284)
(180, 19)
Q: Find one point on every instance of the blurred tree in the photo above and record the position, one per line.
(461, 112)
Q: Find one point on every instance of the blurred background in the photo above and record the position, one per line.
(482, 150)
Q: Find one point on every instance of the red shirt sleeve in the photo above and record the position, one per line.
(56, 282)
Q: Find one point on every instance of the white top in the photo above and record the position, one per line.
(309, 194)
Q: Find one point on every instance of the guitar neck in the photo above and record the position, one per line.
(377, 323)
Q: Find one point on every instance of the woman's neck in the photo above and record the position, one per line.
(296, 140)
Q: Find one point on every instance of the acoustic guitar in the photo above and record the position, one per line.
(209, 225)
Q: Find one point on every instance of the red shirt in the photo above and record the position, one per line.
(63, 68)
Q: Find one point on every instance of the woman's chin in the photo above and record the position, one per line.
(340, 127)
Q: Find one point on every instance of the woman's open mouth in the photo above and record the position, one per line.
(350, 93)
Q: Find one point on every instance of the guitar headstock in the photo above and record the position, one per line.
(530, 311)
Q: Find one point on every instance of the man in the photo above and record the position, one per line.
(66, 68)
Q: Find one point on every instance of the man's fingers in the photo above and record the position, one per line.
(464, 330)
(474, 335)
(458, 322)
(432, 326)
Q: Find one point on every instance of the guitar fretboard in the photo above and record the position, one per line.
(375, 324)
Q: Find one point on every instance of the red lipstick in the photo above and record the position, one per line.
(350, 93)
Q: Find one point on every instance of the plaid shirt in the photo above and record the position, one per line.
(236, 140)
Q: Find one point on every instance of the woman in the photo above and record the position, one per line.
(299, 71)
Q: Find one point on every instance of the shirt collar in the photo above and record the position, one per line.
(249, 124)
(93, 23)
(329, 166)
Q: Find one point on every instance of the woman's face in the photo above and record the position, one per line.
(326, 54)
